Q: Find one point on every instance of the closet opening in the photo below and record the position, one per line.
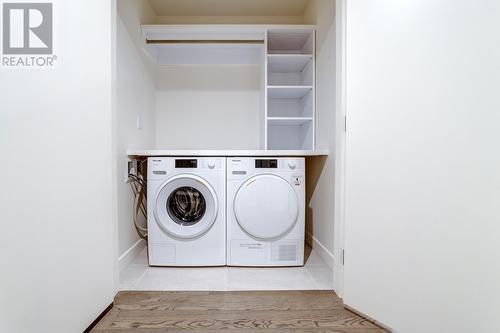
(250, 80)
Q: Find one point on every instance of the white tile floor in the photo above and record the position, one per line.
(314, 275)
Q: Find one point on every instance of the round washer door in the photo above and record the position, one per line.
(186, 206)
(266, 206)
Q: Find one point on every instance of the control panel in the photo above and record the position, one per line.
(159, 167)
(243, 167)
(266, 164)
(186, 164)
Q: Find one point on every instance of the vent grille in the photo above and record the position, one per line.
(284, 252)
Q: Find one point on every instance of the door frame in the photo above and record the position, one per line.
(340, 144)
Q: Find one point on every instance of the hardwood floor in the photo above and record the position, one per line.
(247, 311)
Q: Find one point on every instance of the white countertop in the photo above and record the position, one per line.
(256, 153)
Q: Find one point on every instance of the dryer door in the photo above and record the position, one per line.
(266, 207)
(186, 206)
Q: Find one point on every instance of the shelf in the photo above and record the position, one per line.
(284, 92)
(291, 41)
(287, 63)
(290, 107)
(288, 121)
(293, 136)
(204, 44)
(256, 153)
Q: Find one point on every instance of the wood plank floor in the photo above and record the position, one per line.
(247, 311)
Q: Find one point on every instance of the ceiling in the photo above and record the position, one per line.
(229, 7)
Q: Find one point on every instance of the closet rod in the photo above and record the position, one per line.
(206, 41)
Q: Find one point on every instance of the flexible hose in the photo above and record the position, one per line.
(139, 188)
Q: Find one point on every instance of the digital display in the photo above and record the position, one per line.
(186, 164)
(266, 164)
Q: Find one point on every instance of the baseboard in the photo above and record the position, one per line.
(370, 319)
(320, 249)
(130, 254)
(98, 319)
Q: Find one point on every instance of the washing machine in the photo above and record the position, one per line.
(186, 211)
(265, 211)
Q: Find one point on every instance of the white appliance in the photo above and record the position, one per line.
(265, 211)
(186, 211)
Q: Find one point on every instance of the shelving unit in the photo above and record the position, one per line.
(284, 55)
(290, 113)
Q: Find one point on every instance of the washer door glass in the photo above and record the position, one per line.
(186, 206)
(266, 207)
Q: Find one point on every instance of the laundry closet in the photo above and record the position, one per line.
(203, 81)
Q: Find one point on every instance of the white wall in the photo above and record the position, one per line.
(57, 249)
(321, 171)
(135, 111)
(135, 103)
(208, 107)
(134, 13)
(423, 164)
